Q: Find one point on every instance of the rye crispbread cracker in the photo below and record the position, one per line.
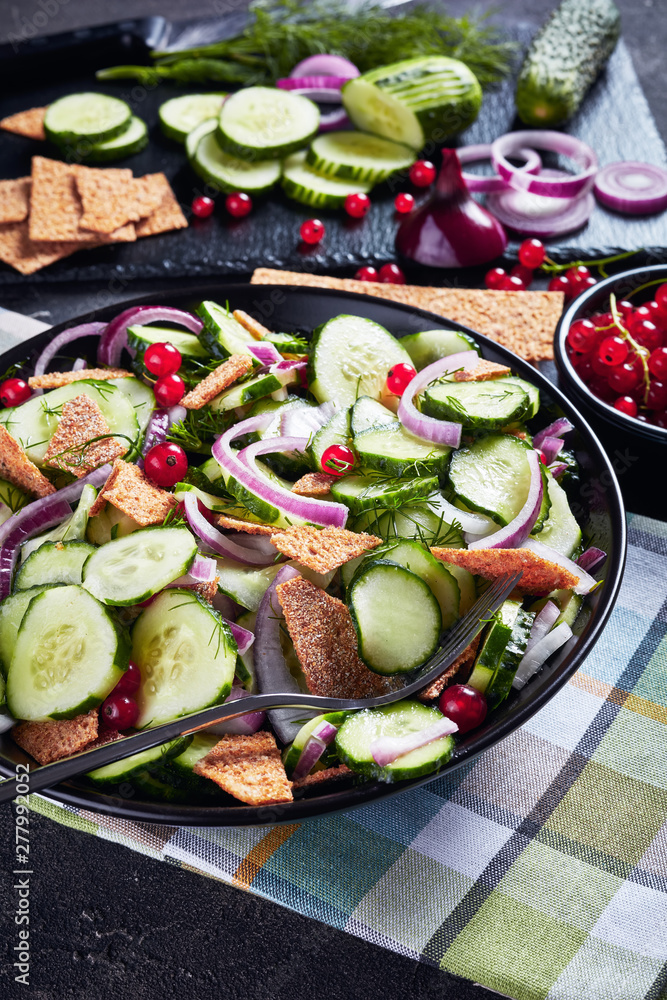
(483, 372)
(14, 200)
(436, 687)
(206, 590)
(325, 642)
(52, 740)
(540, 576)
(220, 378)
(27, 256)
(524, 322)
(249, 768)
(253, 326)
(248, 527)
(16, 467)
(313, 484)
(72, 448)
(327, 776)
(168, 215)
(55, 206)
(323, 549)
(54, 380)
(130, 492)
(111, 198)
(28, 123)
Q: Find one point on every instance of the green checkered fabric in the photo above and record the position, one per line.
(539, 870)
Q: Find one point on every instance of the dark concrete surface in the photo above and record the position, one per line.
(108, 921)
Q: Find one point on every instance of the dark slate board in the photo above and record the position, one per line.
(615, 120)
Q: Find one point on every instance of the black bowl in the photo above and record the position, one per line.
(596, 299)
(598, 505)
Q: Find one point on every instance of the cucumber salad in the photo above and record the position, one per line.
(243, 510)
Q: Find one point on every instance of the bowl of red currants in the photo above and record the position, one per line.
(611, 351)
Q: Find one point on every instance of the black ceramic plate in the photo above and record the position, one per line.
(598, 505)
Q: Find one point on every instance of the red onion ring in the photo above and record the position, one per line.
(559, 142)
(536, 215)
(324, 63)
(585, 583)
(321, 737)
(323, 95)
(550, 448)
(544, 622)
(632, 188)
(66, 337)
(386, 749)
(114, 338)
(312, 82)
(444, 432)
(487, 185)
(79, 365)
(265, 352)
(556, 429)
(514, 534)
(540, 652)
(214, 539)
(592, 559)
(334, 120)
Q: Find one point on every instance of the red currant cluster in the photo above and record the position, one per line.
(624, 363)
(532, 255)
(389, 274)
(237, 204)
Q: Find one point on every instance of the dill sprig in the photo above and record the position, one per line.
(199, 428)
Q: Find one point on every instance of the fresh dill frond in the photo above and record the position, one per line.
(199, 428)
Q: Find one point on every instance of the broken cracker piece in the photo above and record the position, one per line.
(248, 527)
(27, 256)
(220, 378)
(249, 768)
(130, 492)
(327, 776)
(168, 215)
(28, 123)
(14, 200)
(111, 198)
(483, 372)
(325, 643)
(313, 484)
(54, 739)
(540, 576)
(73, 448)
(54, 380)
(323, 549)
(464, 659)
(253, 326)
(16, 467)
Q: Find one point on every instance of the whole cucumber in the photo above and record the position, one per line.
(564, 59)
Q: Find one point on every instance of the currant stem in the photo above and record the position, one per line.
(551, 267)
(633, 343)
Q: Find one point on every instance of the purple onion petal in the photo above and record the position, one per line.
(514, 534)
(592, 559)
(556, 429)
(66, 337)
(386, 749)
(114, 338)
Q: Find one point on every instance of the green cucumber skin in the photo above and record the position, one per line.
(64, 138)
(501, 683)
(119, 771)
(564, 59)
(99, 153)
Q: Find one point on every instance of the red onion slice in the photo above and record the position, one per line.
(487, 185)
(66, 337)
(471, 524)
(540, 653)
(334, 120)
(632, 188)
(114, 338)
(592, 559)
(550, 448)
(242, 637)
(244, 725)
(534, 215)
(323, 95)
(557, 469)
(265, 352)
(303, 421)
(444, 432)
(203, 569)
(514, 534)
(79, 364)
(585, 583)
(313, 82)
(318, 741)
(386, 749)
(325, 64)
(559, 427)
(559, 142)
(215, 540)
(544, 622)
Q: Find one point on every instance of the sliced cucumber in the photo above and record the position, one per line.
(357, 734)
(560, 530)
(396, 616)
(226, 172)
(178, 771)
(12, 497)
(303, 184)
(68, 656)
(140, 395)
(243, 585)
(12, 611)
(501, 682)
(397, 452)
(109, 525)
(130, 141)
(130, 570)
(186, 655)
(91, 117)
(419, 560)
(476, 405)
(197, 134)
(290, 464)
(492, 476)
(253, 389)
(356, 156)
(265, 122)
(222, 334)
(292, 753)
(140, 338)
(335, 431)
(431, 345)
(180, 115)
(245, 664)
(124, 770)
(530, 390)
(368, 413)
(365, 492)
(288, 343)
(350, 357)
(415, 101)
(53, 562)
(72, 529)
(494, 646)
(419, 521)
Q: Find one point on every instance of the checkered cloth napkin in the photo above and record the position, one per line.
(539, 870)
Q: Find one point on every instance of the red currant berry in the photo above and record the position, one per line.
(404, 203)
(130, 681)
(624, 378)
(600, 367)
(613, 351)
(646, 334)
(357, 205)
(366, 274)
(660, 419)
(494, 278)
(639, 314)
(661, 296)
(166, 464)
(399, 377)
(422, 173)
(511, 283)
(656, 315)
(602, 321)
(338, 459)
(657, 363)
(581, 335)
(532, 253)
(656, 398)
(311, 231)
(625, 308)
(391, 274)
(464, 705)
(162, 359)
(586, 283)
(119, 712)
(14, 391)
(169, 390)
(575, 275)
(601, 388)
(202, 207)
(560, 284)
(627, 405)
(238, 204)
(524, 274)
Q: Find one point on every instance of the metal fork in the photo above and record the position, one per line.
(456, 640)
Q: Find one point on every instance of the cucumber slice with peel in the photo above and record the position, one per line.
(495, 643)
(130, 141)
(245, 586)
(127, 769)
(258, 123)
(492, 476)
(292, 754)
(356, 735)
(367, 492)
(186, 655)
(227, 172)
(88, 116)
(12, 611)
(129, 570)
(368, 413)
(501, 683)
(396, 452)
(560, 530)
(72, 529)
(302, 183)
(180, 115)
(488, 405)
(222, 334)
(431, 345)
(194, 137)
(69, 655)
(53, 562)
(335, 431)
(140, 338)
(357, 156)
